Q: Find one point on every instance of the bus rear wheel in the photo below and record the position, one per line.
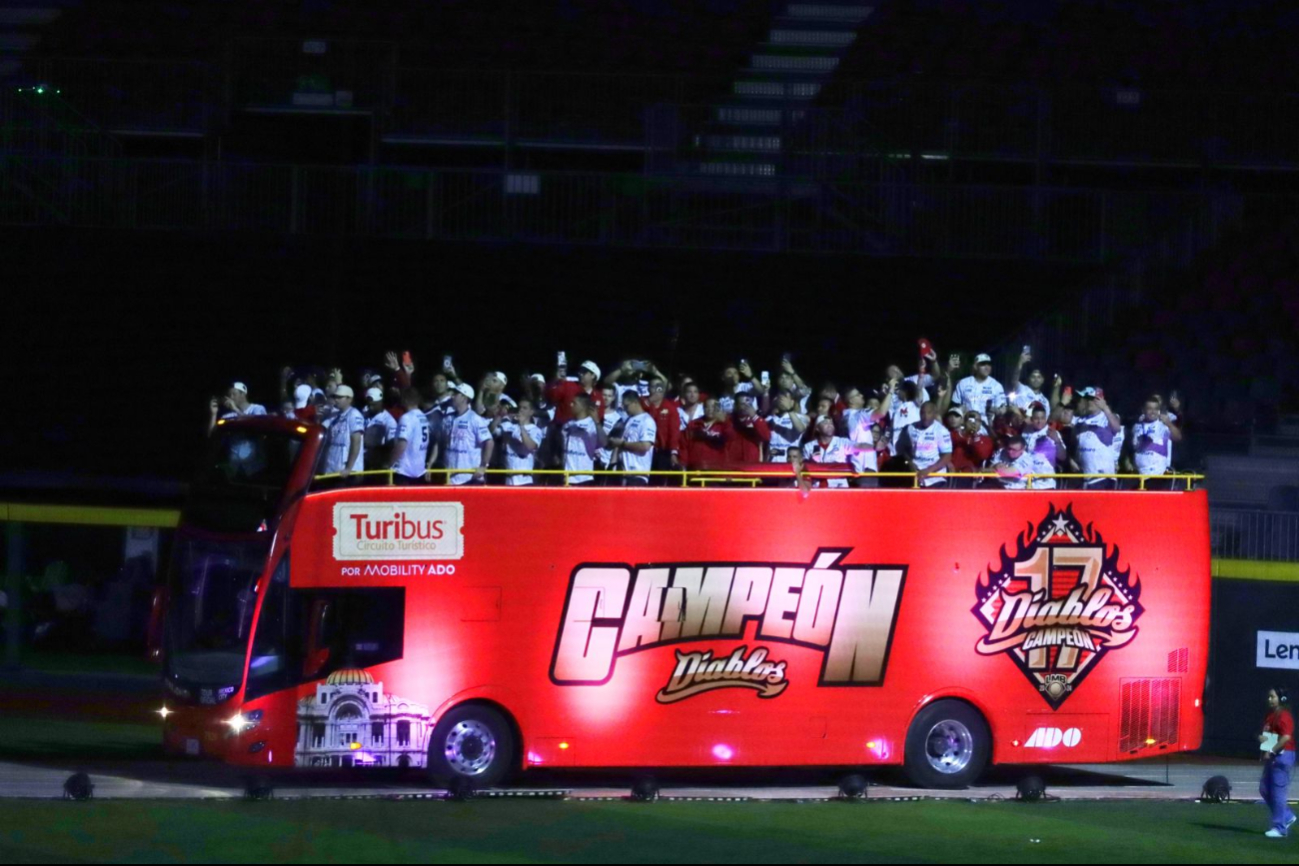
(948, 745)
(472, 743)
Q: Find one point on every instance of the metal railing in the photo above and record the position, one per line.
(1270, 536)
(968, 221)
(686, 478)
(943, 120)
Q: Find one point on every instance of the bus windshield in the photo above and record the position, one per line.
(243, 477)
(213, 592)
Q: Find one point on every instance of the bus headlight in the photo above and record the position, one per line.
(242, 723)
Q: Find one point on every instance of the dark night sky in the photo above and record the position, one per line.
(125, 336)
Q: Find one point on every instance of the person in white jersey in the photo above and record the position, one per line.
(468, 438)
(859, 420)
(582, 438)
(787, 426)
(410, 449)
(902, 402)
(980, 391)
(380, 430)
(346, 430)
(636, 444)
(1095, 428)
(1047, 447)
(520, 437)
(826, 447)
(606, 458)
(1025, 391)
(1153, 436)
(1013, 464)
(234, 405)
(927, 445)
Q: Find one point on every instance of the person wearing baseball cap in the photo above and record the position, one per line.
(380, 429)
(490, 392)
(467, 437)
(234, 405)
(980, 391)
(345, 430)
(1096, 429)
(561, 392)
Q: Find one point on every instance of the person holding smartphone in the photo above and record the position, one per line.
(1276, 748)
(979, 390)
(520, 438)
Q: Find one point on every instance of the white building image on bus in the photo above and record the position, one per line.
(350, 722)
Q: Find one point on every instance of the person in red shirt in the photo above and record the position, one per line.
(971, 445)
(667, 441)
(1278, 753)
(560, 392)
(751, 433)
(708, 438)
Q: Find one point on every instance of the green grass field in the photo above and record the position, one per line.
(521, 831)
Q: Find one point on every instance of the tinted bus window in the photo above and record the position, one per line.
(307, 634)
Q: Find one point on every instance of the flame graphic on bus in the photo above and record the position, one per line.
(1058, 604)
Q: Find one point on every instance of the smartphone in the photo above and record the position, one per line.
(638, 366)
(787, 357)
(1068, 392)
(1028, 350)
(743, 362)
(446, 362)
(925, 347)
(561, 359)
(766, 379)
(406, 360)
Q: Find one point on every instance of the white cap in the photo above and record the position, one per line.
(374, 394)
(591, 367)
(537, 377)
(371, 378)
(343, 391)
(982, 358)
(501, 376)
(464, 388)
(506, 398)
(301, 396)
(240, 386)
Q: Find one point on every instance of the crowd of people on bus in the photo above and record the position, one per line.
(623, 425)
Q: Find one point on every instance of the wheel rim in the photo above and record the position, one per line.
(949, 747)
(470, 747)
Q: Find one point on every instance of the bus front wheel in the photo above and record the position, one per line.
(474, 743)
(948, 746)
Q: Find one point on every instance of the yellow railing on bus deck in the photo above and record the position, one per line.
(704, 477)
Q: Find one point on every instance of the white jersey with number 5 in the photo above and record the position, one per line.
(414, 429)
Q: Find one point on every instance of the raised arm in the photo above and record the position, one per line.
(1024, 358)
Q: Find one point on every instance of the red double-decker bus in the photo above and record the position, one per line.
(476, 631)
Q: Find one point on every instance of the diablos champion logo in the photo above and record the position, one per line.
(1058, 605)
(699, 672)
(847, 612)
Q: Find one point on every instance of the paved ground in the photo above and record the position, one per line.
(1181, 778)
